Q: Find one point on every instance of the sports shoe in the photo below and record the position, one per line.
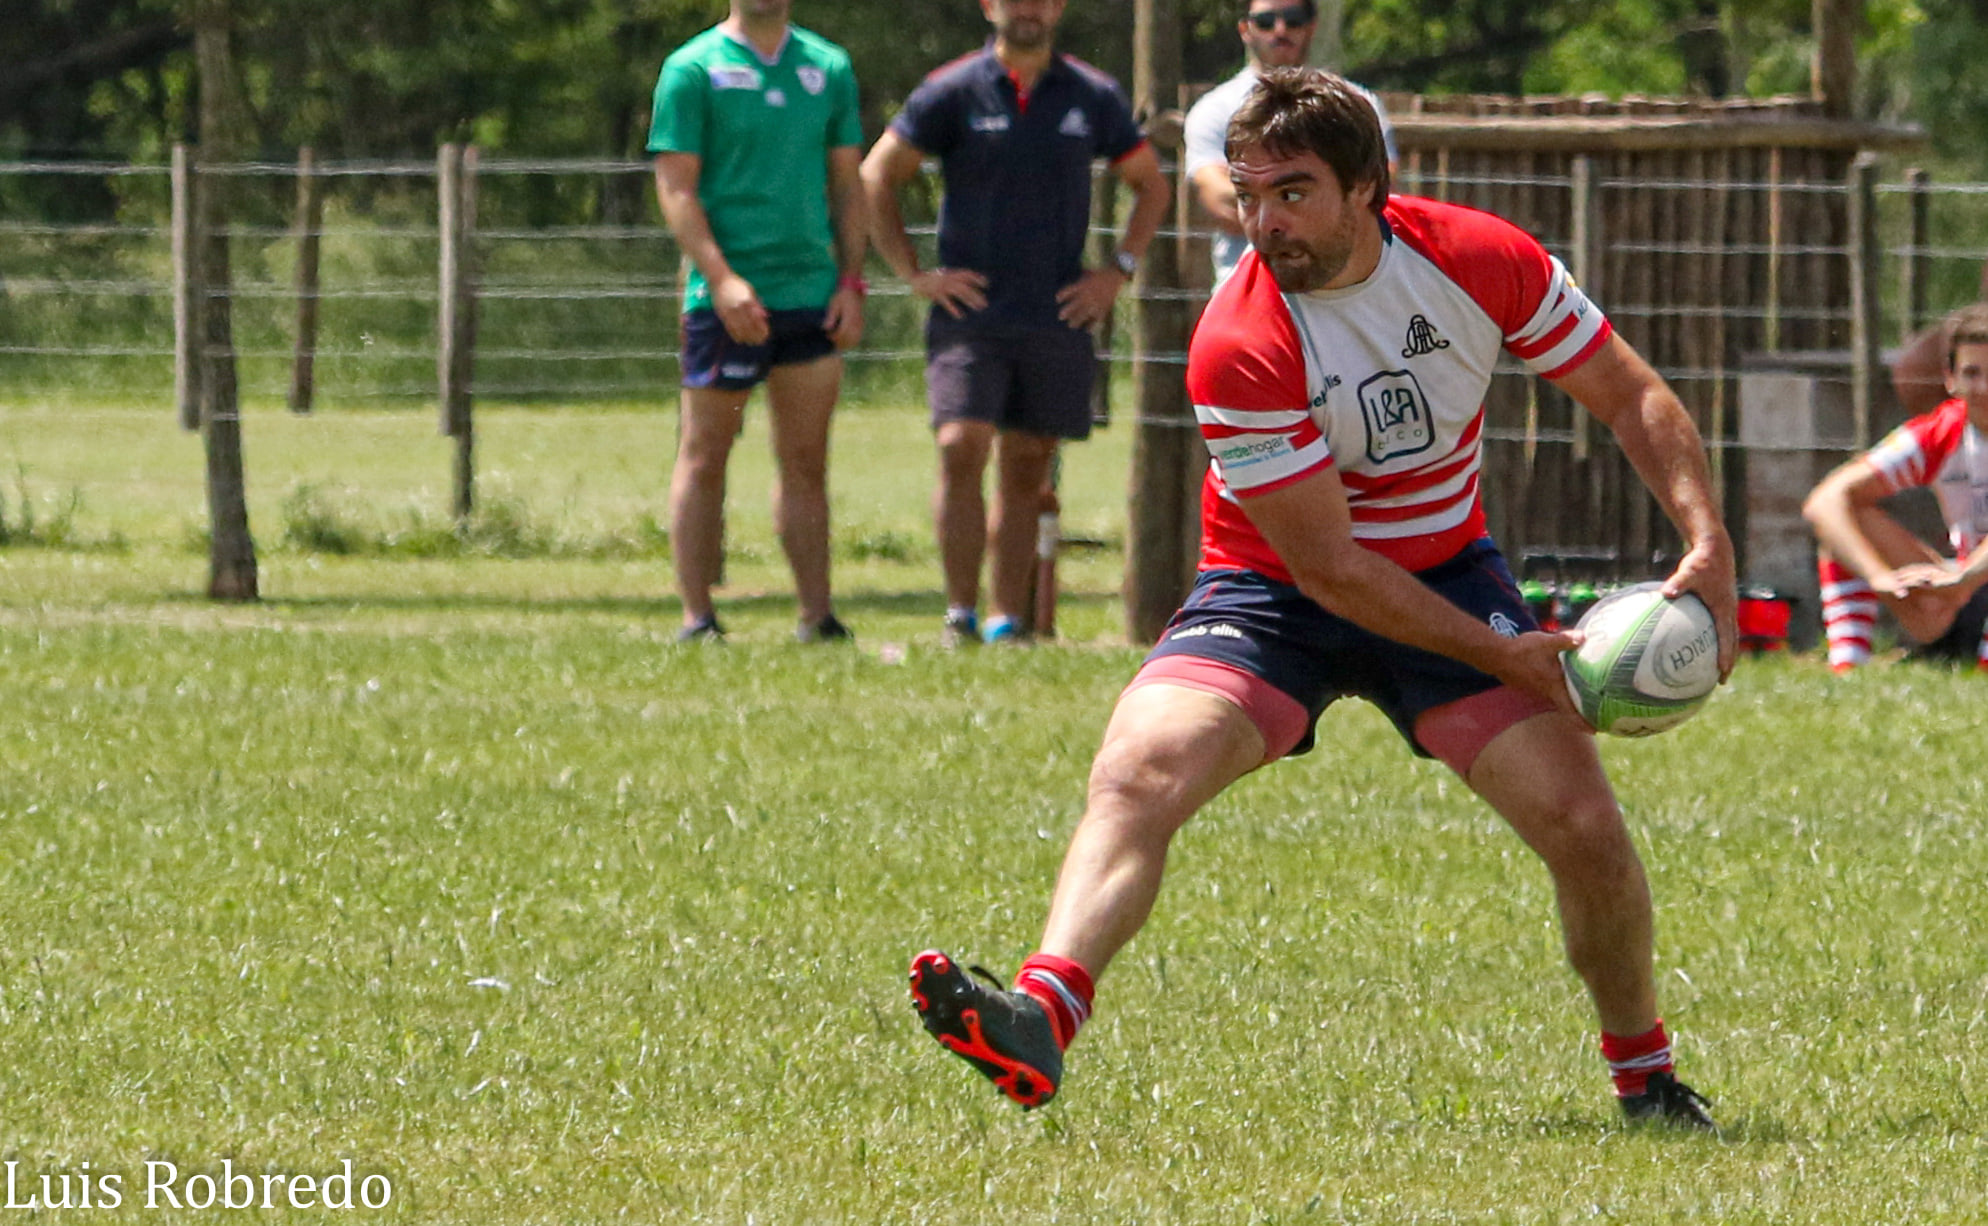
(962, 629)
(1667, 1100)
(1006, 1035)
(706, 630)
(828, 630)
(1003, 632)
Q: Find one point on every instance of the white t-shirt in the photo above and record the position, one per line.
(1206, 136)
(1940, 449)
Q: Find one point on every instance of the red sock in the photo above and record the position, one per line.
(1849, 614)
(1063, 988)
(1632, 1060)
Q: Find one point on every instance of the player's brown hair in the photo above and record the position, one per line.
(1310, 110)
(1969, 327)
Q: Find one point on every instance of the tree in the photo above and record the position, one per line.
(224, 138)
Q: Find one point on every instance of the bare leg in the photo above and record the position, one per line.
(708, 426)
(959, 510)
(1023, 474)
(1545, 778)
(801, 399)
(1167, 751)
(1923, 613)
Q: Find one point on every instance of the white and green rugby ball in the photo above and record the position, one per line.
(1648, 663)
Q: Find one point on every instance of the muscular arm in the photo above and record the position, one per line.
(1087, 300)
(1311, 528)
(891, 163)
(1649, 423)
(844, 320)
(1217, 196)
(1140, 171)
(732, 297)
(677, 176)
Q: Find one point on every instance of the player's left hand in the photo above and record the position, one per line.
(843, 321)
(1707, 571)
(1085, 302)
(1926, 575)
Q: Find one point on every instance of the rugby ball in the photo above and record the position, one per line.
(1647, 664)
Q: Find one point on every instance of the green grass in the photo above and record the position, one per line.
(455, 868)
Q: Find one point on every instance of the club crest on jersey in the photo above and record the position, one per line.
(1075, 123)
(1397, 416)
(1422, 338)
(812, 79)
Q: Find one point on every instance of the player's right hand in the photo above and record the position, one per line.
(956, 290)
(740, 310)
(1532, 664)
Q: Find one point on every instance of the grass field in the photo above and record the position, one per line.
(453, 867)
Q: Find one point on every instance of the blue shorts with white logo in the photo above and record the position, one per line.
(711, 358)
(1273, 631)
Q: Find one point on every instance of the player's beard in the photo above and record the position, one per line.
(1300, 268)
(1025, 33)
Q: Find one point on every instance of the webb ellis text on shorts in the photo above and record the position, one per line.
(167, 1185)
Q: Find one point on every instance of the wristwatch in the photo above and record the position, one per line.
(1126, 262)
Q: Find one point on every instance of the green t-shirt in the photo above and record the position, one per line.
(763, 132)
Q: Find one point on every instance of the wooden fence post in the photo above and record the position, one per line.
(1586, 253)
(310, 221)
(186, 289)
(1157, 564)
(1912, 268)
(1866, 303)
(1776, 216)
(455, 351)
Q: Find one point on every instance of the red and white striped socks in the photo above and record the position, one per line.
(1063, 988)
(1632, 1060)
(1849, 614)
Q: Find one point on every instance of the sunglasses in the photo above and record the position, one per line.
(1292, 17)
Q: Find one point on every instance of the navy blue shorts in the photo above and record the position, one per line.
(711, 358)
(1274, 632)
(1036, 380)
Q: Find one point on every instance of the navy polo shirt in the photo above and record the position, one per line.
(1017, 174)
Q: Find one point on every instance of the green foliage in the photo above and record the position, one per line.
(1950, 94)
(380, 78)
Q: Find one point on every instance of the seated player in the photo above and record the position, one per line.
(1868, 557)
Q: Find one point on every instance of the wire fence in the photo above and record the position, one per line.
(579, 311)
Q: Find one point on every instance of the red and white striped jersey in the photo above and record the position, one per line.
(1940, 449)
(1384, 379)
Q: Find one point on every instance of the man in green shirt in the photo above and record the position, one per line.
(758, 143)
